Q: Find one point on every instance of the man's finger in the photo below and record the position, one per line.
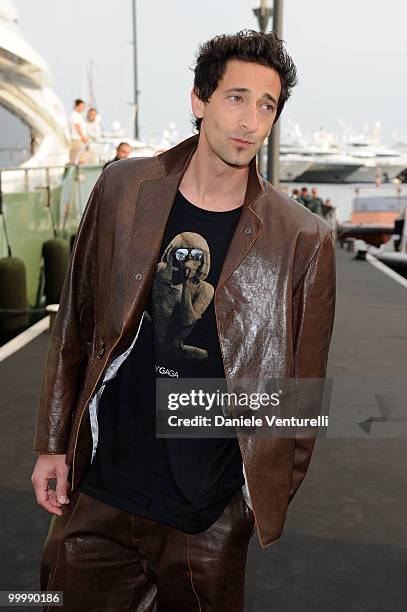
(50, 508)
(43, 498)
(41, 489)
(52, 498)
(62, 484)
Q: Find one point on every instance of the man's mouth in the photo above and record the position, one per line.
(243, 143)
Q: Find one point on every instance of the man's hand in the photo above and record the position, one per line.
(47, 468)
(164, 272)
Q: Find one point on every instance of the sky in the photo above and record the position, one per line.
(350, 56)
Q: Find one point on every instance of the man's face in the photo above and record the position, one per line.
(80, 107)
(92, 115)
(240, 113)
(123, 152)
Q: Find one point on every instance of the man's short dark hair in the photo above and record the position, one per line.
(122, 144)
(78, 101)
(247, 46)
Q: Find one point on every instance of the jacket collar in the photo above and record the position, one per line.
(175, 161)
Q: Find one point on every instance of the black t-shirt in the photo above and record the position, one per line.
(183, 482)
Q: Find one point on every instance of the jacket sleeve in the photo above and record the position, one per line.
(73, 329)
(316, 306)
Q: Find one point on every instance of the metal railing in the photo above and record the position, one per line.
(17, 178)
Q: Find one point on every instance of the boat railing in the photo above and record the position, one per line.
(29, 178)
(33, 178)
(63, 190)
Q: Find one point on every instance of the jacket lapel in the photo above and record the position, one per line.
(151, 212)
(244, 237)
(247, 229)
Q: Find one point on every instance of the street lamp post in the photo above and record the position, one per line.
(263, 13)
(273, 145)
(136, 118)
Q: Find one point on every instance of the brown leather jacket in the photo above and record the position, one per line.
(274, 306)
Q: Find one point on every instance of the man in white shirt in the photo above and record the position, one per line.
(93, 124)
(93, 131)
(79, 138)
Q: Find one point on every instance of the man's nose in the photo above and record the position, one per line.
(250, 119)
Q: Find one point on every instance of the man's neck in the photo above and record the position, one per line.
(212, 184)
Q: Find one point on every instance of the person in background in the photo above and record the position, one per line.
(123, 151)
(93, 131)
(296, 195)
(399, 231)
(315, 204)
(329, 214)
(304, 197)
(93, 124)
(327, 208)
(79, 138)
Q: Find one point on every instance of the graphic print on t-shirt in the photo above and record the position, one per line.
(180, 295)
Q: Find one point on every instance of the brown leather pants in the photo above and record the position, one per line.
(107, 560)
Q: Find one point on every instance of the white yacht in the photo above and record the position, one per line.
(379, 163)
(27, 97)
(35, 130)
(328, 163)
(291, 164)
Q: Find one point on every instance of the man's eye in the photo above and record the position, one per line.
(235, 98)
(269, 107)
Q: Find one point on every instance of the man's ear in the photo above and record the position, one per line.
(197, 105)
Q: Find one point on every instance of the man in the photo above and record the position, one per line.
(123, 151)
(315, 204)
(304, 197)
(94, 132)
(93, 124)
(185, 265)
(79, 138)
(296, 195)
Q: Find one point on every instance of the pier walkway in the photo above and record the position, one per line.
(344, 548)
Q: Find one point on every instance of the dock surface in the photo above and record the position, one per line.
(344, 548)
